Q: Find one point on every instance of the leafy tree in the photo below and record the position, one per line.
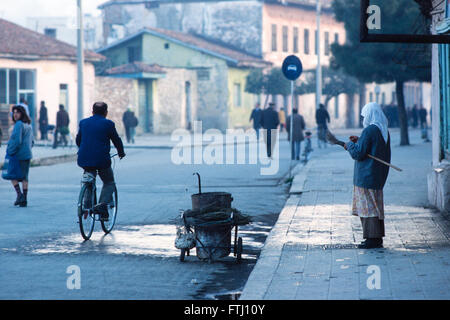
(335, 82)
(272, 83)
(384, 62)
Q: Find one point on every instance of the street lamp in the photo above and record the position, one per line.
(80, 60)
(319, 67)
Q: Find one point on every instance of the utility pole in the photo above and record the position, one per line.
(319, 67)
(80, 60)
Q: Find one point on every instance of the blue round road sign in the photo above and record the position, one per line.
(292, 67)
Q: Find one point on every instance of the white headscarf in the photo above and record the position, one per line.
(373, 114)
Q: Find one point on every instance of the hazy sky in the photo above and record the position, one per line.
(19, 10)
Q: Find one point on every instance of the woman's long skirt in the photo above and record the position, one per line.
(368, 205)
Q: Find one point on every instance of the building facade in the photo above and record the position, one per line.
(270, 29)
(39, 68)
(208, 77)
(439, 177)
(65, 29)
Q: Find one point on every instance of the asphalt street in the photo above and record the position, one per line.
(40, 246)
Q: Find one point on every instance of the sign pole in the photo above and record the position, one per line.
(80, 61)
(291, 129)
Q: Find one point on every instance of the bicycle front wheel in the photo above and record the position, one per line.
(86, 218)
(108, 225)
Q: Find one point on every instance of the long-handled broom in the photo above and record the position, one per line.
(333, 140)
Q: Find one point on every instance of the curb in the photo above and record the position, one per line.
(262, 274)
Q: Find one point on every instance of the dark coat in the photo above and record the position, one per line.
(270, 119)
(299, 126)
(93, 139)
(322, 116)
(43, 116)
(129, 119)
(256, 116)
(62, 119)
(369, 173)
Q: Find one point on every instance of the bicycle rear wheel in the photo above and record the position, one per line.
(107, 226)
(86, 218)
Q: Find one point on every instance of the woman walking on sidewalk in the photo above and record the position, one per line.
(20, 145)
(370, 175)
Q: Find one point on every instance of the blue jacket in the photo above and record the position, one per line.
(369, 173)
(93, 139)
(21, 141)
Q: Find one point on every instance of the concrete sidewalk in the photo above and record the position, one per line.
(311, 252)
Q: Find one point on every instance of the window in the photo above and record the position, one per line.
(13, 86)
(134, 54)
(237, 95)
(166, 46)
(295, 40)
(336, 38)
(316, 46)
(371, 97)
(285, 39)
(3, 86)
(383, 98)
(274, 37)
(306, 44)
(203, 74)
(50, 32)
(64, 95)
(26, 80)
(327, 43)
(394, 98)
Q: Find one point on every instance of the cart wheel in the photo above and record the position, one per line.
(239, 250)
(183, 252)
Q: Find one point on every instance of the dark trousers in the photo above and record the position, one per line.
(295, 150)
(128, 133)
(43, 129)
(55, 140)
(372, 227)
(107, 176)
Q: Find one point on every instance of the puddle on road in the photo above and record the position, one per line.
(155, 240)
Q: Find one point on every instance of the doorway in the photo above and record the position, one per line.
(146, 105)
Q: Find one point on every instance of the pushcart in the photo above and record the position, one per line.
(213, 240)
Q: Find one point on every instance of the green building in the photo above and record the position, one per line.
(188, 78)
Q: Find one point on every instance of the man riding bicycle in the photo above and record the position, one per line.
(93, 140)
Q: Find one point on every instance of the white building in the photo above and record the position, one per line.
(65, 29)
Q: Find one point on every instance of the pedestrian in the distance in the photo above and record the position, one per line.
(270, 122)
(62, 126)
(130, 122)
(297, 133)
(322, 118)
(369, 175)
(423, 117)
(256, 117)
(19, 145)
(43, 121)
(282, 116)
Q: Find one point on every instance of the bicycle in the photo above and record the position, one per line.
(86, 202)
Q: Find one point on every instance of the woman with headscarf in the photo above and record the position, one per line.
(370, 175)
(19, 145)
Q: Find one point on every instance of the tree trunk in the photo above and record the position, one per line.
(403, 120)
(350, 114)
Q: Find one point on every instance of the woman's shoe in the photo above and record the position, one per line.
(20, 200)
(371, 243)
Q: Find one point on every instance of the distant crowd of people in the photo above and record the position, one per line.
(416, 116)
